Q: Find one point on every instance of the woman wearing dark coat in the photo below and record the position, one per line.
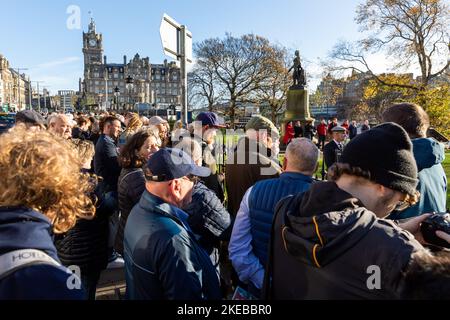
(86, 244)
(131, 183)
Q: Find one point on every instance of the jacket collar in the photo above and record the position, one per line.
(151, 203)
(108, 138)
(296, 176)
(24, 228)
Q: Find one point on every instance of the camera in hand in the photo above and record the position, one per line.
(436, 222)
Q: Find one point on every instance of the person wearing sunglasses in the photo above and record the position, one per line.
(333, 241)
(163, 260)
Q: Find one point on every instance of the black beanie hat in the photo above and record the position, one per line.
(386, 152)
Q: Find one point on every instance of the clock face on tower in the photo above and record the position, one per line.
(92, 43)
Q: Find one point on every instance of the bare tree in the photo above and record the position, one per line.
(204, 87)
(273, 89)
(238, 63)
(414, 32)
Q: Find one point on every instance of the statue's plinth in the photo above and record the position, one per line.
(297, 106)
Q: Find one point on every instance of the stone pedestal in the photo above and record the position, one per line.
(297, 107)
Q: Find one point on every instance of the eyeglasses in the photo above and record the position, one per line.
(192, 178)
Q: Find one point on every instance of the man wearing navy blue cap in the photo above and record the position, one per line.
(210, 123)
(162, 257)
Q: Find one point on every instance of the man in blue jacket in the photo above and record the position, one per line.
(162, 257)
(428, 153)
(251, 232)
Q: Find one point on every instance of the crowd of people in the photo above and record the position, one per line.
(81, 191)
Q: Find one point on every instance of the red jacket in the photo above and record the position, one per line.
(322, 129)
(344, 125)
(289, 134)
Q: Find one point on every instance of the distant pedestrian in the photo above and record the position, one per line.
(352, 130)
(365, 126)
(322, 130)
(298, 130)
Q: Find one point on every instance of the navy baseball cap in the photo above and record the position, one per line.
(169, 164)
(211, 119)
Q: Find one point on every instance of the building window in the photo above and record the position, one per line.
(116, 76)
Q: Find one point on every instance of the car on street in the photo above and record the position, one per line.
(7, 121)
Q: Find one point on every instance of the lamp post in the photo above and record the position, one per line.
(116, 96)
(129, 85)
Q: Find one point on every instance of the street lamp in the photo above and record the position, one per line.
(129, 85)
(116, 95)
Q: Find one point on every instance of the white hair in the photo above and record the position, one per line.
(54, 117)
(302, 155)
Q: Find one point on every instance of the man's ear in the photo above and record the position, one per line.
(382, 189)
(285, 162)
(175, 188)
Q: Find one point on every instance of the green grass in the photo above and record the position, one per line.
(446, 165)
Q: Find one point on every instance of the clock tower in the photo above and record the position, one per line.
(93, 52)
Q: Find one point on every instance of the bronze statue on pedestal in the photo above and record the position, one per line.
(298, 76)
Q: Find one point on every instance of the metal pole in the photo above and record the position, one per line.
(18, 85)
(39, 97)
(106, 90)
(29, 93)
(45, 100)
(183, 76)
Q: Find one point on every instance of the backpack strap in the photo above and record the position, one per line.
(12, 261)
(280, 208)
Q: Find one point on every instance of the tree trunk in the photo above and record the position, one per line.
(232, 112)
(273, 115)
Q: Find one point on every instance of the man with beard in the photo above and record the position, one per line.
(332, 241)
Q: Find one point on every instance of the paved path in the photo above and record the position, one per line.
(111, 285)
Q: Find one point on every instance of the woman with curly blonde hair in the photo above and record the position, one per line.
(133, 123)
(86, 244)
(41, 191)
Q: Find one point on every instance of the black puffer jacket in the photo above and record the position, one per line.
(86, 244)
(131, 186)
(209, 220)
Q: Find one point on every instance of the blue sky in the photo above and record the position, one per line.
(34, 35)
